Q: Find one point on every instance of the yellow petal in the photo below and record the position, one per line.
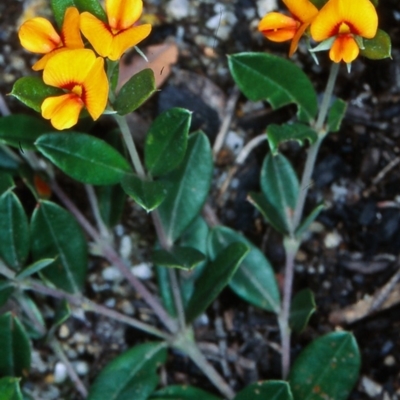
(97, 32)
(38, 36)
(62, 111)
(344, 48)
(95, 89)
(128, 38)
(40, 64)
(70, 34)
(122, 14)
(278, 27)
(302, 10)
(68, 68)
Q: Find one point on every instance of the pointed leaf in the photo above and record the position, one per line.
(262, 76)
(31, 318)
(148, 194)
(309, 220)
(9, 389)
(55, 233)
(135, 92)
(15, 352)
(302, 307)
(14, 243)
(34, 268)
(166, 141)
(178, 257)
(59, 7)
(84, 157)
(336, 115)
(327, 368)
(378, 47)
(111, 199)
(176, 392)
(254, 281)
(131, 375)
(267, 390)
(6, 182)
(214, 278)
(6, 290)
(278, 134)
(188, 187)
(7, 162)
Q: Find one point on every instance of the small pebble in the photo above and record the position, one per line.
(178, 9)
(60, 373)
(125, 248)
(370, 388)
(110, 303)
(63, 332)
(81, 367)
(127, 307)
(389, 361)
(142, 271)
(110, 274)
(332, 240)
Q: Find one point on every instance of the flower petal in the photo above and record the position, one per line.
(278, 27)
(122, 14)
(302, 10)
(41, 63)
(344, 48)
(95, 89)
(128, 38)
(295, 41)
(97, 33)
(70, 34)
(62, 111)
(38, 36)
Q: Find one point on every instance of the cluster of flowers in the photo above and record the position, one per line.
(340, 25)
(77, 70)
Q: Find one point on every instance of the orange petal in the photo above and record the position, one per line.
(302, 10)
(68, 68)
(38, 36)
(344, 48)
(295, 41)
(62, 111)
(40, 64)
(123, 14)
(128, 38)
(96, 89)
(70, 34)
(97, 33)
(278, 27)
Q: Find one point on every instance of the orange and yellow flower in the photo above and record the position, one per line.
(344, 21)
(112, 39)
(280, 28)
(39, 36)
(81, 75)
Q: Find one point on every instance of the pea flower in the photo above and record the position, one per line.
(112, 39)
(343, 24)
(279, 27)
(39, 36)
(81, 75)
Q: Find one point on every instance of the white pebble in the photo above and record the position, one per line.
(125, 248)
(332, 240)
(60, 372)
(110, 274)
(142, 271)
(178, 9)
(81, 367)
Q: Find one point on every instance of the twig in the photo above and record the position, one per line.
(96, 212)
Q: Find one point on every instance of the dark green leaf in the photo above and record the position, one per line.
(164, 286)
(14, 243)
(327, 368)
(84, 157)
(188, 187)
(7, 162)
(135, 92)
(9, 389)
(336, 114)
(378, 47)
(6, 182)
(34, 268)
(32, 91)
(148, 194)
(91, 6)
(254, 281)
(55, 233)
(214, 278)
(111, 199)
(302, 307)
(15, 352)
(63, 312)
(59, 7)
(319, 3)
(176, 392)
(178, 257)
(267, 390)
(131, 375)
(278, 134)
(309, 220)
(6, 290)
(262, 76)
(31, 318)
(166, 141)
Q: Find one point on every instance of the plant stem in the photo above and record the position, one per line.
(96, 212)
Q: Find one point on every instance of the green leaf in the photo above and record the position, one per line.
(111, 199)
(336, 115)
(319, 3)
(262, 76)
(14, 243)
(148, 194)
(6, 290)
(188, 187)
(63, 312)
(7, 162)
(327, 368)
(267, 390)
(176, 392)
(34, 268)
(378, 47)
(32, 91)
(135, 92)
(280, 186)
(9, 389)
(214, 278)
(185, 258)
(31, 318)
(278, 134)
(131, 375)
(21, 131)
(302, 307)
(55, 233)
(164, 286)
(309, 220)
(59, 7)
(166, 141)
(15, 352)
(84, 157)
(6, 182)
(254, 281)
